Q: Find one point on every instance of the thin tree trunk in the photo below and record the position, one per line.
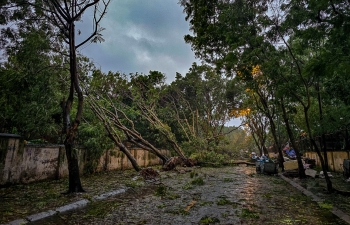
(129, 155)
(157, 153)
(292, 140)
(324, 169)
(257, 144)
(324, 150)
(273, 128)
(323, 136)
(280, 154)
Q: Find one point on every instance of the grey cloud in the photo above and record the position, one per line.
(142, 36)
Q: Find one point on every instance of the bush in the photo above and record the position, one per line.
(209, 157)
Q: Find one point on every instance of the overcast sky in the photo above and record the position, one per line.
(142, 35)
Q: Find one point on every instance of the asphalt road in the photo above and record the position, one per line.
(229, 195)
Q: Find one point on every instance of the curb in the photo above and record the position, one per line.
(71, 206)
(337, 212)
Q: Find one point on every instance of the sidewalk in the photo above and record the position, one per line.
(23, 203)
(69, 207)
(336, 211)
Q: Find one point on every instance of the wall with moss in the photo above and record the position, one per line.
(115, 159)
(24, 163)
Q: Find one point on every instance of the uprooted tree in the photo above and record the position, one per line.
(120, 127)
(113, 101)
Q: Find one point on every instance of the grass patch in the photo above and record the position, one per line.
(209, 220)
(172, 196)
(41, 205)
(187, 186)
(206, 203)
(246, 213)
(224, 201)
(133, 184)
(325, 205)
(161, 190)
(268, 195)
(161, 206)
(299, 198)
(279, 181)
(178, 211)
(100, 209)
(193, 174)
(197, 181)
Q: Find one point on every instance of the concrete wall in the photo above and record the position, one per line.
(20, 163)
(335, 159)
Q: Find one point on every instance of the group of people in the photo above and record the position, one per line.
(255, 157)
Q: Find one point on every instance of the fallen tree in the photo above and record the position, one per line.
(112, 120)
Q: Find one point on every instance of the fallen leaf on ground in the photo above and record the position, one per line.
(189, 206)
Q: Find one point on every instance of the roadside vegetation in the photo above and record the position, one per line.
(279, 68)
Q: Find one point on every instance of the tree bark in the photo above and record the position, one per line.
(157, 153)
(273, 129)
(323, 136)
(126, 151)
(130, 157)
(280, 154)
(71, 129)
(292, 140)
(324, 169)
(73, 168)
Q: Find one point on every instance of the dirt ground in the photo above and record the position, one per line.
(229, 195)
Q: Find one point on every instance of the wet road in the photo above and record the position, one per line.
(230, 195)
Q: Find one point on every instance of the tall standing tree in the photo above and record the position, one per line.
(62, 16)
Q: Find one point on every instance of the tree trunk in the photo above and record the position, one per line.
(73, 168)
(123, 149)
(130, 156)
(154, 151)
(323, 136)
(177, 148)
(71, 129)
(324, 150)
(324, 169)
(292, 140)
(257, 144)
(273, 130)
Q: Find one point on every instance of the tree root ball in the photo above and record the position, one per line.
(178, 161)
(149, 174)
